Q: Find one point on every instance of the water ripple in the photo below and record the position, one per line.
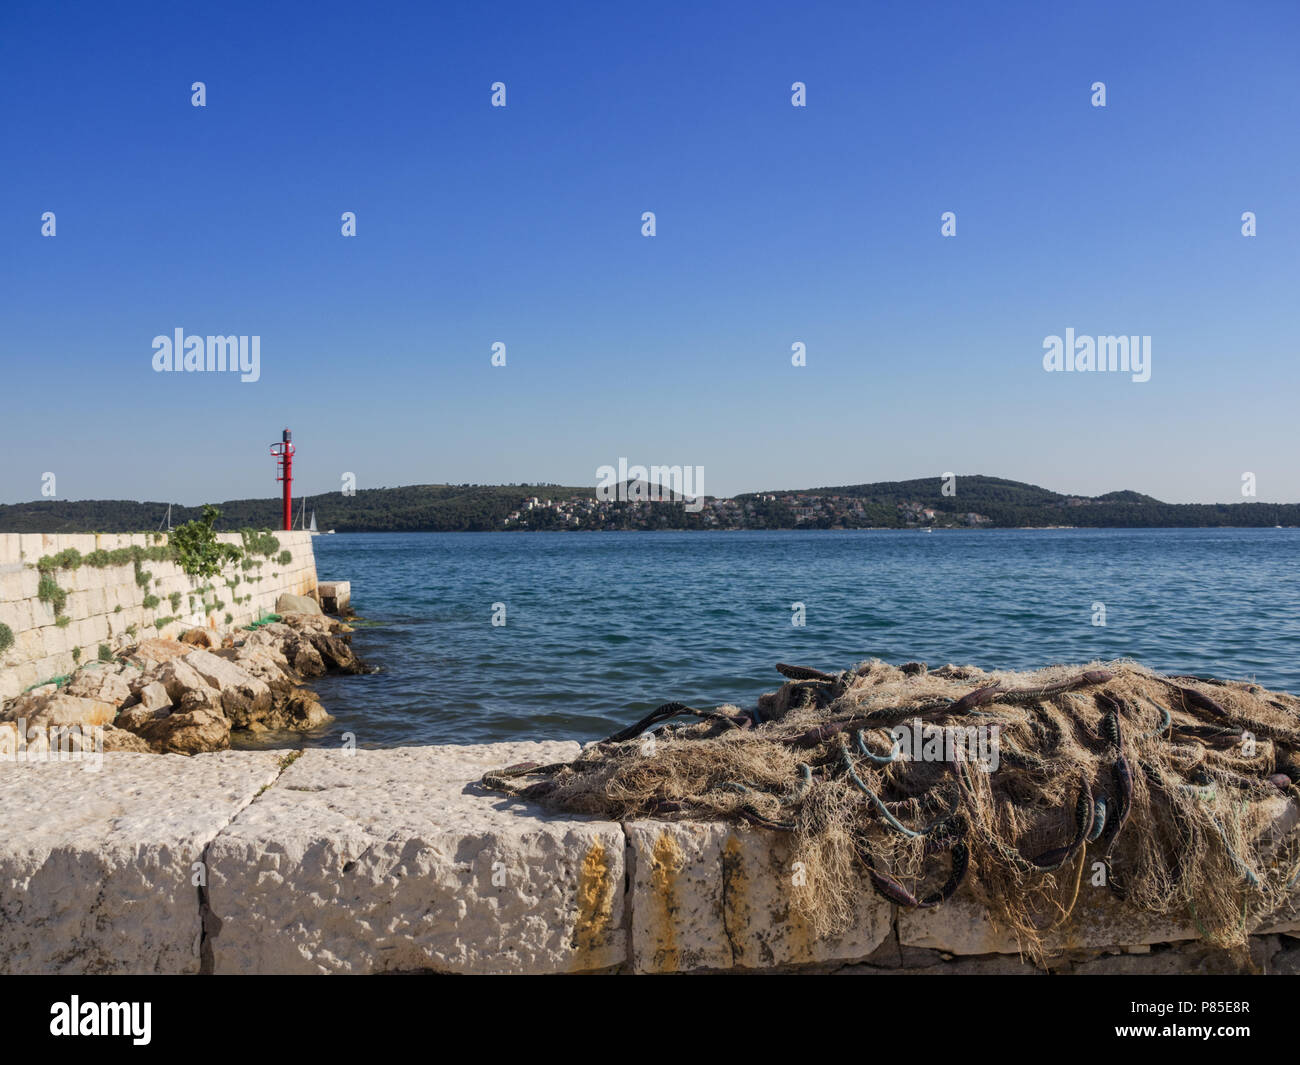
(601, 627)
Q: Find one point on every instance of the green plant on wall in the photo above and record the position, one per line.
(197, 549)
(175, 600)
(105, 653)
(48, 591)
(259, 543)
(6, 637)
(100, 559)
(76, 654)
(69, 559)
(151, 601)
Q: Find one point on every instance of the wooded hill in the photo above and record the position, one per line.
(478, 508)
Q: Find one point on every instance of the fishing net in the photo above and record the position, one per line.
(1170, 791)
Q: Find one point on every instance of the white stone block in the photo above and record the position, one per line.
(396, 860)
(97, 868)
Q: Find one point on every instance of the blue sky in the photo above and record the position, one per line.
(523, 225)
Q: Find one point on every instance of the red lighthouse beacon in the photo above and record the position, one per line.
(284, 452)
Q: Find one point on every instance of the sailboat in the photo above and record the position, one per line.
(302, 520)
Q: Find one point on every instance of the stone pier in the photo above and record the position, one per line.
(337, 861)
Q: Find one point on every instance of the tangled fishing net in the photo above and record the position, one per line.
(1016, 785)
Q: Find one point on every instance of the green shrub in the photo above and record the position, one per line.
(197, 549)
(105, 653)
(284, 557)
(151, 601)
(230, 618)
(175, 600)
(76, 654)
(162, 623)
(63, 621)
(6, 637)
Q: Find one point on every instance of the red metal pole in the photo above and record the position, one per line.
(288, 481)
(284, 452)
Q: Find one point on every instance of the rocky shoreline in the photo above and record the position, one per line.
(188, 696)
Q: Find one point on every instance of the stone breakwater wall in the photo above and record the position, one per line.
(337, 861)
(115, 605)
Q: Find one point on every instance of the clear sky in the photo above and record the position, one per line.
(775, 224)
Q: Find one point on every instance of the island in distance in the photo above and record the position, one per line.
(976, 501)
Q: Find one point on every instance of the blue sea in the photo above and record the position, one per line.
(602, 627)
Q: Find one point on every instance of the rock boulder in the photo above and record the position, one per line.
(244, 698)
(296, 604)
(195, 732)
(154, 652)
(102, 685)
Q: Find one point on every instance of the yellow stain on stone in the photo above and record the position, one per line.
(595, 906)
(735, 901)
(666, 861)
(799, 941)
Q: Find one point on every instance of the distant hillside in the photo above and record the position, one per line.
(978, 501)
(970, 490)
(415, 508)
(1001, 503)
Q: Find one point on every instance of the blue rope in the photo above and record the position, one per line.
(878, 759)
(805, 781)
(1098, 820)
(880, 806)
(1165, 724)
